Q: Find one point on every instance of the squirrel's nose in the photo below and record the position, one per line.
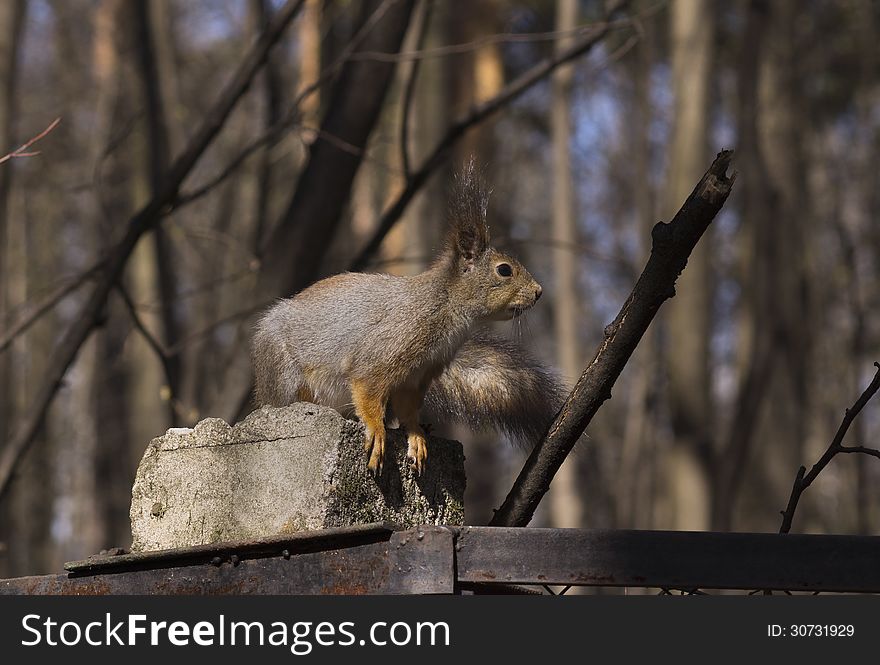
(538, 292)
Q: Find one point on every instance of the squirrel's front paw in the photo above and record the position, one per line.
(417, 453)
(374, 445)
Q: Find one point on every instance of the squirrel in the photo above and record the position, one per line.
(376, 341)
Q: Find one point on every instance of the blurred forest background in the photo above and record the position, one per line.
(351, 129)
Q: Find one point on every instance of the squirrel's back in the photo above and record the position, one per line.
(351, 326)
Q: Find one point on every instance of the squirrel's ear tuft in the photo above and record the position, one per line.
(469, 233)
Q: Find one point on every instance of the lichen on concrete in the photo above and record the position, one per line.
(283, 470)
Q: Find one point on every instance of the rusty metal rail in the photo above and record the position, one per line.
(216, 553)
(669, 559)
(383, 559)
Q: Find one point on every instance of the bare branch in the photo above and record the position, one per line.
(157, 346)
(872, 452)
(267, 139)
(165, 355)
(207, 330)
(142, 222)
(803, 479)
(205, 287)
(672, 245)
(47, 303)
(22, 151)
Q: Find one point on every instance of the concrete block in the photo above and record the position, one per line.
(283, 470)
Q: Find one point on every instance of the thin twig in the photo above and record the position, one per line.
(203, 288)
(178, 346)
(166, 357)
(269, 138)
(803, 479)
(185, 198)
(48, 303)
(157, 346)
(580, 248)
(506, 38)
(873, 452)
(22, 150)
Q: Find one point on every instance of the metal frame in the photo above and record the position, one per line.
(384, 559)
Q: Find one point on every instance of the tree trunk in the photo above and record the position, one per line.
(158, 157)
(689, 319)
(783, 262)
(11, 18)
(272, 103)
(150, 410)
(565, 497)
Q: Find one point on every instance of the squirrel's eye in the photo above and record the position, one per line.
(504, 269)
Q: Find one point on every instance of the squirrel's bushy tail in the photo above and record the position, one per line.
(494, 383)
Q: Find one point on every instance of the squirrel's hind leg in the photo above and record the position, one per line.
(406, 405)
(279, 379)
(369, 404)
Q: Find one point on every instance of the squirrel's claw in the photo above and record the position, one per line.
(417, 453)
(374, 446)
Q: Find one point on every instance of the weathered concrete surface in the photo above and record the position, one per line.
(280, 471)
